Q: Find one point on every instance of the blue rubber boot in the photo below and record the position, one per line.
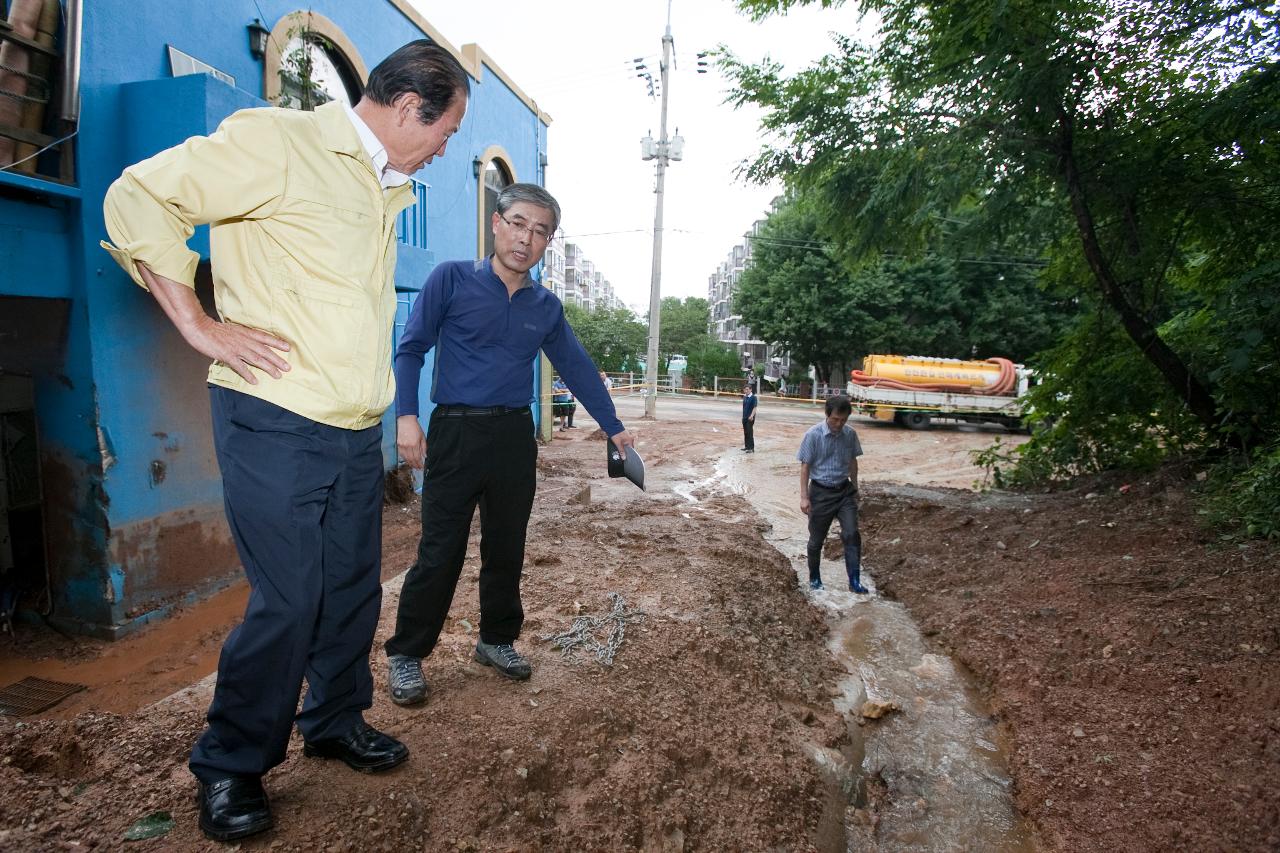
(855, 575)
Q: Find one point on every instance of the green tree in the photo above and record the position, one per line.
(796, 294)
(708, 358)
(613, 338)
(683, 323)
(1139, 137)
(799, 294)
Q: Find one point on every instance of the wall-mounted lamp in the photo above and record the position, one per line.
(258, 36)
(477, 166)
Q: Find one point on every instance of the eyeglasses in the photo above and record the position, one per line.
(536, 232)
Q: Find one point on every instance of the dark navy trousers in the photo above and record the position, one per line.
(826, 504)
(304, 502)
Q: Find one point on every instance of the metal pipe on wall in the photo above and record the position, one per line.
(71, 63)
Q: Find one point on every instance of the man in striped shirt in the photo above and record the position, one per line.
(828, 458)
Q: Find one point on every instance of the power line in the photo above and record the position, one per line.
(616, 66)
(821, 245)
(583, 80)
(568, 237)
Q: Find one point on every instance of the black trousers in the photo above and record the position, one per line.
(304, 501)
(748, 434)
(564, 410)
(472, 460)
(826, 505)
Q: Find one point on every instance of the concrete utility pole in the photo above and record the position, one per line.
(663, 151)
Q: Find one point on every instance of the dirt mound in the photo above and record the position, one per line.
(698, 737)
(1131, 656)
(712, 699)
(398, 486)
(552, 467)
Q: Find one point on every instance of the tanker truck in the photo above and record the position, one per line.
(913, 390)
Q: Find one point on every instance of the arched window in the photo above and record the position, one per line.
(310, 62)
(314, 72)
(496, 179)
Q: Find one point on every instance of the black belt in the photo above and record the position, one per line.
(479, 411)
(830, 488)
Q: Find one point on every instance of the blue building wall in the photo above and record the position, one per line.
(133, 496)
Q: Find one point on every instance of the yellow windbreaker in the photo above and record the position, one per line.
(302, 238)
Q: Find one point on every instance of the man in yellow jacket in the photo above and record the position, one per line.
(302, 208)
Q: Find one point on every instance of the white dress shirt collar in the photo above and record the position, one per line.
(388, 176)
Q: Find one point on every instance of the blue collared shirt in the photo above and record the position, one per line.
(486, 342)
(748, 405)
(828, 453)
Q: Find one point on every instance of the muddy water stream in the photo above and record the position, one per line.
(945, 783)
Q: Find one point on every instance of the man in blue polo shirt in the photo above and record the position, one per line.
(828, 458)
(486, 320)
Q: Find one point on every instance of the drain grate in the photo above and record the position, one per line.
(32, 695)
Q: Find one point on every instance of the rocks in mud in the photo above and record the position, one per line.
(874, 709)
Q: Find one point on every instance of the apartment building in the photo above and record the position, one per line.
(553, 265)
(584, 285)
(726, 325)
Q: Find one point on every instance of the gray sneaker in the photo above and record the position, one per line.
(404, 674)
(505, 659)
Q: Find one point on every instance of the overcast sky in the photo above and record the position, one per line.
(574, 58)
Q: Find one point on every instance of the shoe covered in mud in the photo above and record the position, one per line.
(505, 659)
(404, 675)
(855, 585)
(815, 583)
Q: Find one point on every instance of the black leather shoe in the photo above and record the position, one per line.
(364, 748)
(233, 808)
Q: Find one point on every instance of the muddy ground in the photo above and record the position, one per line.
(1129, 656)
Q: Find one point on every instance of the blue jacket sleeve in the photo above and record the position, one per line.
(579, 373)
(420, 334)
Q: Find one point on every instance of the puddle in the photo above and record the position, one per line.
(688, 491)
(939, 772)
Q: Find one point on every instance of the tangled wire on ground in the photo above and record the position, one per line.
(583, 633)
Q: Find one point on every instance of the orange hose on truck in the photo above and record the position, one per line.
(996, 377)
(913, 390)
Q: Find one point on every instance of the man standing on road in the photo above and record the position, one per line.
(749, 403)
(562, 404)
(828, 458)
(302, 206)
(486, 320)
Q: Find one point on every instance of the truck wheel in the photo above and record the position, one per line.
(916, 420)
(900, 419)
